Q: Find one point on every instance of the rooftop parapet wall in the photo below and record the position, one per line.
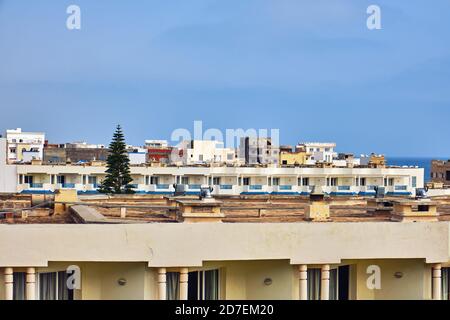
(167, 245)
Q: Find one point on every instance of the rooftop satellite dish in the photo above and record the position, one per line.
(205, 193)
(379, 192)
(180, 189)
(421, 193)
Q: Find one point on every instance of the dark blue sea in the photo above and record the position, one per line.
(420, 162)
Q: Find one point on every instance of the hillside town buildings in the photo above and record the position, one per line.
(255, 168)
(24, 146)
(440, 172)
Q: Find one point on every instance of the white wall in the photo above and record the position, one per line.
(8, 173)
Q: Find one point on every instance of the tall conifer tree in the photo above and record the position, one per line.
(118, 175)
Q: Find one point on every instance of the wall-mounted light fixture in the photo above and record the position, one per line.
(122, 281)
(267, 281)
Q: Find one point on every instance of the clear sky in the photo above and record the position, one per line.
(308, 67)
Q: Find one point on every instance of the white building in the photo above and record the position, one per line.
(8, 173)
(320, 151)
(24, 146)
(84, 145)
(137, 155)
(156, 144)
(204, 151)
(257, 150)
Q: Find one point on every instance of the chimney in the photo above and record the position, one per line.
(318, 209)
(197, 211)
(414, 210)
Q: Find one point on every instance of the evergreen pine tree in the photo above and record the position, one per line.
(118, 175)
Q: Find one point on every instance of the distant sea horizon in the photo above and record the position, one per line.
(421, 162)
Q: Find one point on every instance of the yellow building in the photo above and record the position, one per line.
(294, 158)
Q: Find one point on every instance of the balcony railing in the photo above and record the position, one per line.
(343, 188)
(36, 185)
(195, 186)
(162, 186)
(401, 188)
(285, 187)
(226, 186)
(68, 185)
(255, 187)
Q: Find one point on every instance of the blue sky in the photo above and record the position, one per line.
(310, 68)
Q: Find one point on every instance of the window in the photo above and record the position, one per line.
(203, 285)
(363, 182)
(155, 180)
(216, 181)
(276, 181)
(332, 182)
(284, 162)
(19, 286)
(339, 283)
(445, 284)
(314, 284)
(173, 285)
(447, 175)
(92, 180)
(28, 179)
(53, 286)
(306, 181)
(246, 181)
(12, 150)
(61, 179)
(200, 157)
(414, 182)
(184, 180)
(343, 283)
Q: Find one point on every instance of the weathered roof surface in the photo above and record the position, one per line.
(153, 209)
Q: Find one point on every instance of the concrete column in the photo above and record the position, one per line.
(9, 283)
(184, 272)
(436, 284)
(162, 284)
(303, 278)
(325, 282)
(31, 284)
